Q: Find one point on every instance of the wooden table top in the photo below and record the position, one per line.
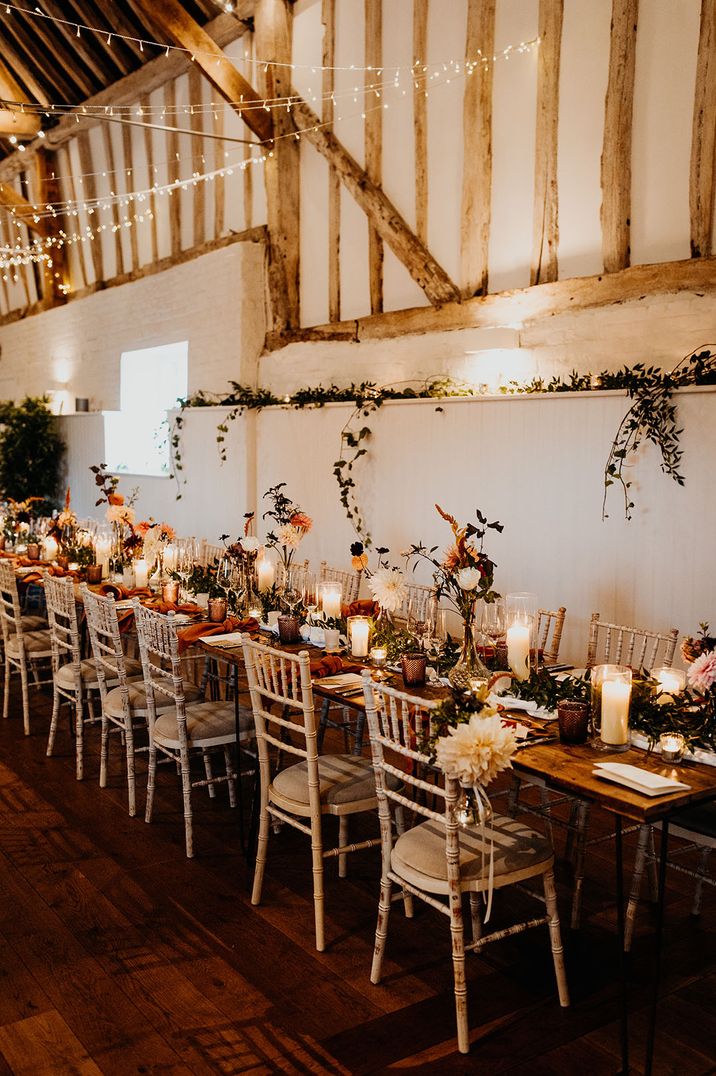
(564, 767)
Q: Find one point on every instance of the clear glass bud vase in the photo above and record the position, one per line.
(470, 665)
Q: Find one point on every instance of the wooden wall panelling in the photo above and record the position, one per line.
(702, 176)
(545, 238)
(616, 150)
(420, 116)
(374, 141)
(217, 119)
(477, 159)
(114, 187)
(48, 192)
(89, 191)
(149, 155)
(328, 18)
(282, 167)
(172, 141)
(198, 163)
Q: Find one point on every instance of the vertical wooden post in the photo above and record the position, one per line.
(702, 187)
(374, 140)
(68, 173)
(130, 186)
(172, 145)
(114, 188)
(616, 150)
(272, 20)
(328, 17)
(89, 188)
(219, 162)
(420, 116)
(477, 162)
(197, 151)
(545, 236)
(47, 190)
(149, 154)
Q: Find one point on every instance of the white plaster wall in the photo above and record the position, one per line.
(216, 302)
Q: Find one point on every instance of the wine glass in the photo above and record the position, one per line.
(436, 636)
(293, 589)
(185, 560)
(310, 594)
(417, 618)
(493, 622)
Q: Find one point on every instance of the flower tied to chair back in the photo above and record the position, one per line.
(471, 745)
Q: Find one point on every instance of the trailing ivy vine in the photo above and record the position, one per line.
(652, 417)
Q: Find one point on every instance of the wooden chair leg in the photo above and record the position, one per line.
(6, 689)
(79, 738)
(103, 752)
(458, 969)
(555, 937)
(547, 815)
(53, 722)
(261, 850)
(230, 780)
(569, 846)
(208, 773)
(318, 903)
(651, 869)
(131, 769)
(151, 781)
(381, 930)
(186, 797)
(342, 840)
(323, 723)
(400, 829)
(645, 834)
(25, 697)
(475, 916)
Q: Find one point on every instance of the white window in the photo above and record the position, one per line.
(137, 436)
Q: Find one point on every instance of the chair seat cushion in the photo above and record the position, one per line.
(35, 643)
(342, 780)
(697, 820)
(519, 852)
(138, 700)
(30, 622)
(65, 676)
(207, 723)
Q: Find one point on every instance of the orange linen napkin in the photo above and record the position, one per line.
(330, 664)
(363, 607)
(188, 636)
(120, 593)
(160, 606)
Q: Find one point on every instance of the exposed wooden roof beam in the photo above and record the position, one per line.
(31, 48)
(21, 210)
(22, 71)
(80, 45)
(115, 50)
(46, 32)
(223, 30)
(26, 124)
(172, 19)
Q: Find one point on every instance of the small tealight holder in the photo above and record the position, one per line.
(217, 610)
(359, 635)
(331, 640)
(477, 684)
(379, 659)
(611, 699)
(33, 550)
(94, 574)
(669, 682)
(170, 592)
(672, 746)
(256, 612)
(289, 629)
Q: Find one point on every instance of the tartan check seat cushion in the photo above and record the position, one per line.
(65, 676)
(138, 700)
(419, 854)
(342, 779)
(206, 723)
(35, 642)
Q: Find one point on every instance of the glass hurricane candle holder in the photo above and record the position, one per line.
(672, 746)
(359, 635)
(170, 591)
(330, 599)
(669, 682)
(611, 699)
(521, 620)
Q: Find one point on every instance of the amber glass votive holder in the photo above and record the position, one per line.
(217, 610)
(170, 592)
(289, 629)
(94, 574)
(414, 667)
(573, 720)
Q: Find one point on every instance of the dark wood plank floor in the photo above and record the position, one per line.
(118, 955)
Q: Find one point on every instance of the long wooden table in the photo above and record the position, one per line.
(569, 769)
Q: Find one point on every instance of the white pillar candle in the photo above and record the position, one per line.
(615, 712)
(50, 548)
(171, 556)
(266, 574)
(359, 628)
(102, 550)
(518, 650)
(331, 600)
(141, 572)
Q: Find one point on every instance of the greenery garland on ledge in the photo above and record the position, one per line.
(652, 416)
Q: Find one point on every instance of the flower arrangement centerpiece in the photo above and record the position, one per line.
(291, 524)
(17, 519)
(386, 583)
(471, 745)
(463, 575)
(120, 514)
(155, 539)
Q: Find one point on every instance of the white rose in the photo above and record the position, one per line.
(469, 578)
(249, 544)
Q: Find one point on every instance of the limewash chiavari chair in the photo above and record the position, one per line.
(25, 643)
(209, 553)
(639, 648)
(124, 706)
(550, 623)
(315, 785)
(417, 600)
(439, 859)
(179, 728)
(74, 678)
(350, 581)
